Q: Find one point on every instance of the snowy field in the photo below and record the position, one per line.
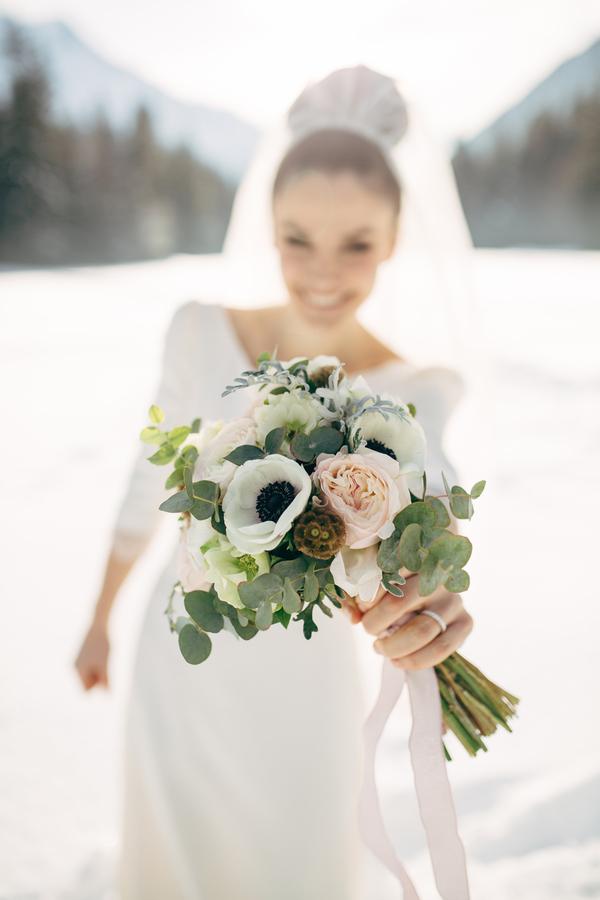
(78, 361)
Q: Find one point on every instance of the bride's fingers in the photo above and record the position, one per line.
(391, 608)
(440, 648)
(420, 629)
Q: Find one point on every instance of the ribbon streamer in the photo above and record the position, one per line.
(434, 794)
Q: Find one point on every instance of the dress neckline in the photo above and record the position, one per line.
(397, 364)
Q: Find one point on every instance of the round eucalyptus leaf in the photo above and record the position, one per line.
(195, 646)
(200, 606)
(264, 615)
(267, 586)
(409, 547)
(291, 598)
(458, 581)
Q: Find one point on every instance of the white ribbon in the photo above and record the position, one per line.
(433, 790)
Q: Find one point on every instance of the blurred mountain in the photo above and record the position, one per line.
(532, 178)
(83, 82)
(575, 79)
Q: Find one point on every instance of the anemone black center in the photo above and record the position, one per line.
(374, 444)
(273, 499)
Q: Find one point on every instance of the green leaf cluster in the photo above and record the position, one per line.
(421, 543)
(207, 614)
(460, 500)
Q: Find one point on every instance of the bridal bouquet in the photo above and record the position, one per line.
(315, 498)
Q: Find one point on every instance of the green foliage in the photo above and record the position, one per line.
(323, 439)
(274, 440)
(244, 452)
(201, 607)
(156, 414)
(420, 543)
(177, 503)
(194, 644)
(205, 498)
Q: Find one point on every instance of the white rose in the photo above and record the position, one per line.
(264, 497)
(211, 464)
(295, 409)
(190, 566)
(357, 573)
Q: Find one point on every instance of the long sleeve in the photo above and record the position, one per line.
(138, 516)
(435, 391)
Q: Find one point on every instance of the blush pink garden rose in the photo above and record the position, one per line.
(366, 489)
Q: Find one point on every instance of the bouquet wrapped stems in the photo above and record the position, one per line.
(472, 705)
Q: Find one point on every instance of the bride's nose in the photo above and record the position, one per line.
(324, 277)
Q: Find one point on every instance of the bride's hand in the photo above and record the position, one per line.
(92, 660)
(418, 643)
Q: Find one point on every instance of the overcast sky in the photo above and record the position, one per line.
(466, 60)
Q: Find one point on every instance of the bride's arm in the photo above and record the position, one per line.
(138, 517)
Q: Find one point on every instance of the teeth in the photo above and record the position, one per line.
(324, 299)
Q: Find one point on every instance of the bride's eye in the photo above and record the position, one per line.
(296, 242)
(359, 247)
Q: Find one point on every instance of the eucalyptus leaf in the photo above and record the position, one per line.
(264, 615)
(291, 598)
(442, 519)
(391, 585)
(311, 585)
(243, 453)
(247, 631)
(274, 440)
(178, 435)
(152, 435)
(177, 503)
(458, 581)
(477, 489)
(156, 414)
(447, 554)
(195, 646)
(206, 497)
(410, 548)
(199, 604)
(195, 427)
(388, 556)
(174, 479)
(460, 503)
(266, 587)
(165, 454)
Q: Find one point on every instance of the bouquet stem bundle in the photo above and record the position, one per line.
(472, 705)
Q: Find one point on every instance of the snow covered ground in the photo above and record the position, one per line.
(78, 361)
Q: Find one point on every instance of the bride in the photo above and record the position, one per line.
(240, 777)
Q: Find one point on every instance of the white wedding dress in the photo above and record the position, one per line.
(241, 774)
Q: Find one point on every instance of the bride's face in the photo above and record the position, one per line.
(332, 231)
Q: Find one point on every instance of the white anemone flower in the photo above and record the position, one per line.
(262, 500)
(402, 438)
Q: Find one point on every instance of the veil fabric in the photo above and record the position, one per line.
(423, 304)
